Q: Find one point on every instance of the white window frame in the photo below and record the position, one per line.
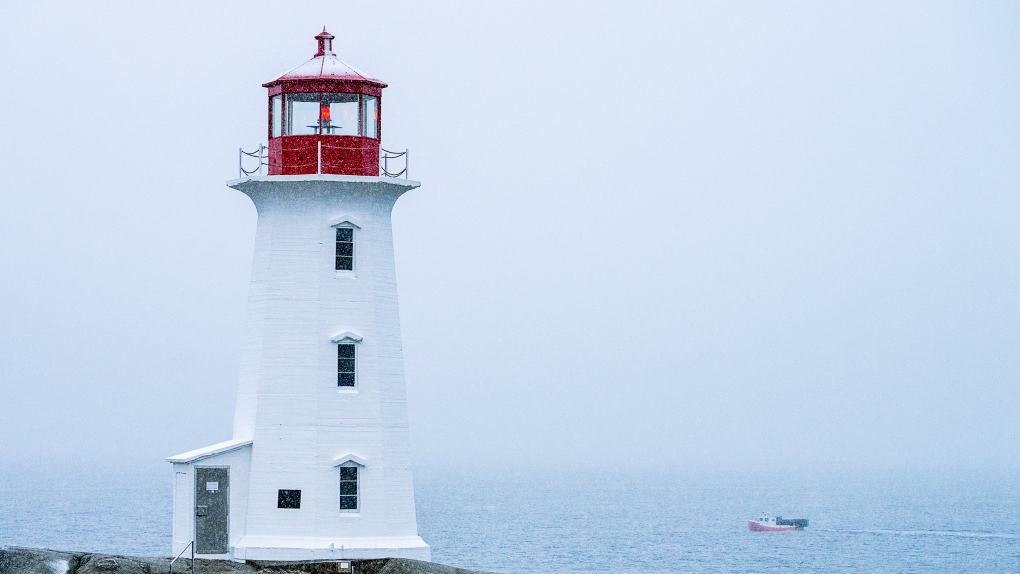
(357, 487)
(354, 372)
(347, 338)
(350, 461)
(345, 222)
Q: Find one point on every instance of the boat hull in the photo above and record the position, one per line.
(758, 527)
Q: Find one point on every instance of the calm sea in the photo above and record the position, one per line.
(609, 520)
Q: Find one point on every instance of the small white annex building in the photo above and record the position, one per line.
(319, 466)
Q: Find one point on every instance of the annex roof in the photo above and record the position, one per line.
(205, 452)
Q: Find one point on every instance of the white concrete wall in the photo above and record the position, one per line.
(288, 399)
(184, 504)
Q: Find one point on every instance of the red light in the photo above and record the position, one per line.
(325, 113)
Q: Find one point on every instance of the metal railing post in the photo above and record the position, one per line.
(176, 558)
(407, 164)
(240, 171)
(319, 168)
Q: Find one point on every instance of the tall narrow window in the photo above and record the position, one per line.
(370, 116)
(277, 112)
(345, 365)
(344, 249)
(348, 488)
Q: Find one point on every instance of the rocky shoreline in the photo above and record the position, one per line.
(20, 560)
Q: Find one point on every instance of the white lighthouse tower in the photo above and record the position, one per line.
(319, 466)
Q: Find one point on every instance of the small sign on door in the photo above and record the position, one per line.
(212, 486)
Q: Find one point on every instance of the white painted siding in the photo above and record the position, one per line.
(288, 400)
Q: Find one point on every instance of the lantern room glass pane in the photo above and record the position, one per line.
(277, 107)
(302, 114)
(341, 119)
(370, 116)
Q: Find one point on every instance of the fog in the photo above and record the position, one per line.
(651, 233)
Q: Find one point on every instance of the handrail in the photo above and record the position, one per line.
(260, 154)
(190, 545)
(385, 164)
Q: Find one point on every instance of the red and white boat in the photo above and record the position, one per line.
(766, 523)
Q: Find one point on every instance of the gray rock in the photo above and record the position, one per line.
(19, 560)
(107, 564)
(408, 566)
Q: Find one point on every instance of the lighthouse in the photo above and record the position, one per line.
(319, 466)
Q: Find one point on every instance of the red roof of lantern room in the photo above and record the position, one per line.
(324, 67)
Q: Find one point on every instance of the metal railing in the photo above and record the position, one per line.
(384, 163)
(190, 545)
(262, 155)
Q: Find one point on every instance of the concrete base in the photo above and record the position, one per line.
(285, 549)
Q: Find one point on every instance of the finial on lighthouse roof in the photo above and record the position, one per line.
(325, 43)
(324, 65)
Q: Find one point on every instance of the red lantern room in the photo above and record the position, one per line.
(324, 117)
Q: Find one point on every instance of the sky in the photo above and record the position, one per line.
(666, 234)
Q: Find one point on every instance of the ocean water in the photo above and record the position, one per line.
(611, 519)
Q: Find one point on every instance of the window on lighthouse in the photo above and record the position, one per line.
(344, 249)
(325, 113)
(301, 114)
(348, 488)
(288, 499)
(345, 369)
(277, 116)
(340, 114)
(370, 116)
